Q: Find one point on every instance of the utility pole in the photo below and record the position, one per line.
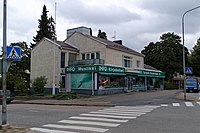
(183, 37)
(4, 86)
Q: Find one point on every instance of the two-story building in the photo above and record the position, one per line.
(92, 65)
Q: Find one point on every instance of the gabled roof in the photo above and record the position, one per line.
(66, 45)
(112, 45)
(60, 44)
(117, 46)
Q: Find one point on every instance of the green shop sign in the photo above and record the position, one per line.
(151, 74)
(94, 68)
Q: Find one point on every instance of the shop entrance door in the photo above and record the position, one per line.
(130, 83)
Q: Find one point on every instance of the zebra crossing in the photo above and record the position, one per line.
(186, 104)
(98, 121)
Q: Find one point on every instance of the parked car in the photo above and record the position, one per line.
(9, 96)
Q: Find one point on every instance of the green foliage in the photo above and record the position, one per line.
(46, 28)
(18, 80)
(170, 86)
(195, 58)
(65, 96)
(166, 54)
(102, 35)
(39, 83)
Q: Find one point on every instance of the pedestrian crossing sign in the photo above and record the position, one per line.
(13, 53)
(188, 70)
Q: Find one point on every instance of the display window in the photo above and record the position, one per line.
(111, 81)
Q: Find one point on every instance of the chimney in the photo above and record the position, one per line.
(82, 29)
(118, 41)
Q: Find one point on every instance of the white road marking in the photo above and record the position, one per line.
(35, 111)
(141, 107)
(164, 105)
(89, 123)
(189, 104)
(98, 119)
(176, 104)
(49, 130)
(101, 130)
(116, 113)
(126, 111)
(109, 116)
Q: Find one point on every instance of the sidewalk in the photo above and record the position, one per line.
(189, 96)
(91, 101)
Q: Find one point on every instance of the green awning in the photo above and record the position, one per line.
(113, 74)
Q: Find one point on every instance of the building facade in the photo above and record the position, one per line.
(91, 65)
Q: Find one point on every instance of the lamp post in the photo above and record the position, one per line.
(183, 37)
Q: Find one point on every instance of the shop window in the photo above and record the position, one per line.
(111, 81)
(62, 65)
(62, 81)
(127, 61)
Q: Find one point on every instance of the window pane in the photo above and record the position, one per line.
(83, 56)
(62, 65)
(92, 55)
(88, 56)
(97, 55)
(138, 63)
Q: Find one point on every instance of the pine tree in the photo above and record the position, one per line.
(46, 28)
(52, 28)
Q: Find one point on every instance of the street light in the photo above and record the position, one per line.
(184, 46)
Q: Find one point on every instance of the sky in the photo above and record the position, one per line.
(135, 22)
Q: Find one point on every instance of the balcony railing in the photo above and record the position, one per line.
(86, 62)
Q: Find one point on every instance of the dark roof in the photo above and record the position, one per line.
(65, 45)
(149, 67)
(117, 46)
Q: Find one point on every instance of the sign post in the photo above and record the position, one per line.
(4, 66)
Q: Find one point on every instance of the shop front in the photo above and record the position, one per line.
(152, 79)
(95, 79)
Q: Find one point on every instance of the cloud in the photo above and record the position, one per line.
(82, 13)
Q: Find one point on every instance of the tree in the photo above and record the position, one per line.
(195, 58)
(39, 83)
(102, 35)
(46, 28)
(18, 78)
(166, 54)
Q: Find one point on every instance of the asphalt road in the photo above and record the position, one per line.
(144, 112)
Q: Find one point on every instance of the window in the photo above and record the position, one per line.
(88, 56)
(92, 55)
(127, 61)
(83, 56)
(62, 65)
(97, 55)
(138, 63)
(72, 57)
(62, 81)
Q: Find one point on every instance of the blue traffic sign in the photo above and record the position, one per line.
(13, 53)
(188, 70)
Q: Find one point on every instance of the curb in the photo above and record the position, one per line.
(67, 104)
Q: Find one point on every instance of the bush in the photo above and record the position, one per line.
(64, 96)
(170, 86)
(39, 83)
